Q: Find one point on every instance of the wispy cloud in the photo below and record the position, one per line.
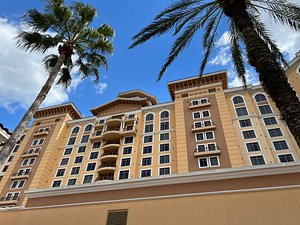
(100, 88)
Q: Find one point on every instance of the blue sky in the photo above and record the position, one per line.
(22, 74)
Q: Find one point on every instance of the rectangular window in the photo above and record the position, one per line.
(211, 147)
(96, 144)
(85, 139)
(286, 158)
(94, 155)
(148, 128)
(245, 123)
(127, 150)
(128, 140)
(203, 162)
(131, 116)
(64, 162)
(147, 149)
(253, 147)
(207, 123)
(164, 159)
(148, 139)
(203, 100)
(123, 175)
(146, 173)
(276, 132)
(205, 114)
(248, 134)
(280, 145)
(164, 126)
(71, 181)
(209, 135)
(257, 160)
(164, 147)
(78, 159)
(38, 141)
(56, 183)
(81, 149)
(265, 109)
(195, 102)
(241, 111)
(4, 168)
(270, 121)
(88, 179)
(197, 124)
(117, 217)
(91, 167)
(164, 171)
(201, 148)
(75, 170)
(68, 151)
(10, 158)
(16, 148)
(125, 162)
(72, 141)
(164, 137)
(17, 184)
(196, 115)
(199, 136)
(60, 172)
(212, 161)
(147, 161)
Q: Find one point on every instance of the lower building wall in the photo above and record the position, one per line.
(274, 207)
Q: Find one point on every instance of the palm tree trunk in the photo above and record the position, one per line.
(12, 141)
(271, 74)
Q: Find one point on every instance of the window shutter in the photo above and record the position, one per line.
(117, 217)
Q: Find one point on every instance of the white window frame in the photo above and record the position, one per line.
(65, 168)
(249, 138)
(75, 159)
(249, 157)
(148, 142)
(270, 124)
(246, 126)
(287, 143)
(144, 158)
(57, 180)
(193, 114)
(162, 143)
(163, 167)
(71, 178)
(209, 114)
(64, 158)
(273, 129)
(18, 183)
(170, 161)
(71, 171)
(71, 151)
(166, 140)
(128, 143)
(125, 158)
(254, 141)
(289, 153)
(147, 146)
(127, 147)
(124, 170)
(88, 164)
(145, 170)
(91, 154)
(88, 175)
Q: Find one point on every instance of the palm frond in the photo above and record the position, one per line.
(65, 78)
(49, 61)
(84, 12)
(106, 30)
(37, 21)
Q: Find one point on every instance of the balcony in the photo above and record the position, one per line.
(109, 156)
(203, 126)
(109, 146)
(9, 200)
(99, 124)
(199, 105)
(112, 133)
(129, 130)
(106, 168)
(31, 153)
(20, 175)
(114, 121)
(106, 177)
(207, 151)
(39, 134)
(97, 136)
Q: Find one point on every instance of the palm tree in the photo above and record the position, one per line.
(65, 27)
(186, 17)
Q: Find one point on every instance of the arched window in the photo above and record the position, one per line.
(260, 98)
(164, 114)
(75, 130)
(238, 100)
(149, 117)
(22, 138)
(88, 128)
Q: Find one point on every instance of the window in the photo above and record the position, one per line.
(203, 100)
(85, 139)
(212, 147)
(280, 145)
(146, 173)
(72, 141)
(60, 172)
(286, 158)
(209, 135)
(147, 149)
(248, 134)
(164, 147)
(125, 162)
(265, 109)
(28, 162)
(164, 136)
(101, 121)
(148, 128)
(10, 158)
(260, 98)
(164, 171)
(131, 116)
(238, 100)
(276, 132)
(129, 127)
(270, 121)
(88, 128)
(128, 140)
(96, 144)
(94, 155)
(196, 115)
(56, 183)
(245, 123)
(164, 126)
(88, 179)
(117, 217)
(257, 160)
(68, 151)
(148, 139)
(164, 159)
(5, 168)
(199, 136)
(205, 113)
(207, 123)
(75, 130)
(124, 174)
(17, 184)
(75, 170)
(253, 147)
(81, 149)
(71, 181)
(78, 159)
(38, 141)
(147, 161)
(241, 111)
(64, 162)
(16, 148)
(22, 138)
(201, 148)
(91, 166)
(212, 161)
(149, 117)
(195, 102)
(127, 150)
(164, 115)
(31, 161)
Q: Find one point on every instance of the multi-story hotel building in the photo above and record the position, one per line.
(213, 155)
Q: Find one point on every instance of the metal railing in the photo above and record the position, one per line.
(21, 173)
(104, 165)
(9, 198)
(202, 124)
(105, 177)
(207, 149)
(110, 153)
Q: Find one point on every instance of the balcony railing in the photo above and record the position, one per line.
(207, 125)
(20, 175)
(105, 165)
(203, 151)
(31, 153)
(9, 200)
(110, 153)
(105, 177)
(199, 104)
(41, 132)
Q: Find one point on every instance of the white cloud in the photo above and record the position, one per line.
(100, 88)
(234, 81)
(223, 56)
(22, 74)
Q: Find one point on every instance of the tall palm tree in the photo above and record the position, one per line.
(246, 28)
(65, 27)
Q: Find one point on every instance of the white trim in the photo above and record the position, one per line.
(71, 171)
(164, 155)
(157, 106)
(251, 142)
(159, 144)
(147, 146)
(88, 164)
(128, 143)
(147, 136)
(90, 118)
(77, 152)
(18, 183)
(273, 128)
(75, 134)
(64, 158)
(200, 114)
(275, 124)
(207, 110)
(125, 158)
(242, 131)
(144, 158)
(148, 113)
(128, 169)
(245, 119)
(71, 178)
(163, 167)
(56, 180)
(168, 132)
(127, 147)
(66, 149)
(249, 157)
(145, 170)
(289, 153)
(75, 159)
(88, 175)
(65, 169)
(94, 152)
(197, 176)
(90, 131)
(281, 149)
